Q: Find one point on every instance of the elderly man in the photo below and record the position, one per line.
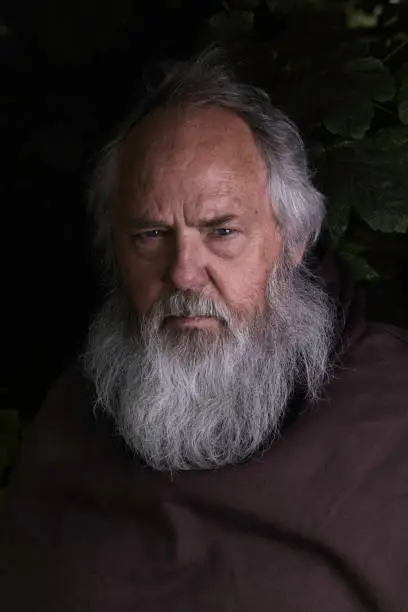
(235, 436)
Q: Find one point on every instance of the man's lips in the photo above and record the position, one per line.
(182, 321)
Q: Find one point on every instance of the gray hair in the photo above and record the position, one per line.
(206, 80)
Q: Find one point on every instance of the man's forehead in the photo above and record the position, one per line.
(167, 134)
(210, 182)
(205, 164)
(213, 195)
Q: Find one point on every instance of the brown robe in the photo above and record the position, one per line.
(319, 522)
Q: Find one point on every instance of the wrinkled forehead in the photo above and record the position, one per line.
(190, 143)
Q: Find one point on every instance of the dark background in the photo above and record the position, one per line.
(69, 72)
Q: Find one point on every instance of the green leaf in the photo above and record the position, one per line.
(402, 74)
(357, 18)
(402, 97)
(387, 217)
(403, 92)
(372, 176)
(290, 6)
(361, 268)
(350, 110)
(369, 76)
(337, 216)
(351, 117)
(352, 248)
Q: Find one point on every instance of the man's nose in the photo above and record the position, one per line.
(187, 269)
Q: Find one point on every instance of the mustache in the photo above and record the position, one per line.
(190, 304)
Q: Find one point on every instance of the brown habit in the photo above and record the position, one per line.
(319, 522)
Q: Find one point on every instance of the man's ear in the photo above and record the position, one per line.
(297, 253)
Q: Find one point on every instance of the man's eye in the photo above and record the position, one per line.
(222, 232)
(149, 235)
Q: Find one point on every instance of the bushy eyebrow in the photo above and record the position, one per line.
(218, 221)
(146, 223)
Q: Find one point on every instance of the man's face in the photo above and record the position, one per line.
(198, 251)
(192, 213)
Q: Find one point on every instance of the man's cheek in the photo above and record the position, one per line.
(247, 289)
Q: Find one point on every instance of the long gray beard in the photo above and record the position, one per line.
(203, 399)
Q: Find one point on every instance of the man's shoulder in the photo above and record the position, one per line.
(70, 393)
(70, 385)
(370, 381)
(389, 331)
(381, 344)
(65, 413)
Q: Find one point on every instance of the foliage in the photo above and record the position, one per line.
(346, 84)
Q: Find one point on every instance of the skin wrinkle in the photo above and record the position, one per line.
(191, 157)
